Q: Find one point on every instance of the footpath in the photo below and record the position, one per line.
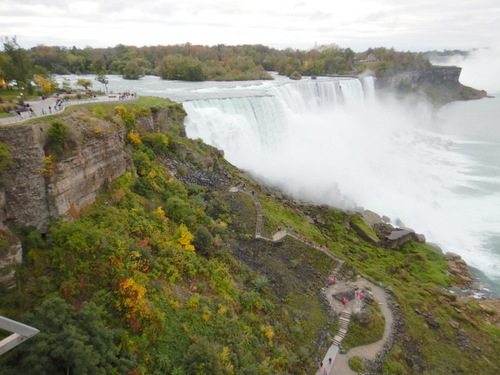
(335, 363)
(47, 107)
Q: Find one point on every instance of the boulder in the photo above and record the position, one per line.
(399, 237)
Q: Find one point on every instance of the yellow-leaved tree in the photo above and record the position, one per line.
(184, 237)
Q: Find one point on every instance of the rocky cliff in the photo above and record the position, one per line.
(34, 191)
(440, 85)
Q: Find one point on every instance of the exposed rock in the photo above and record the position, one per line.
(452, 256)
(440, 85)
(94, 159)
(433, 323)
(454, 324)
(399, 237)
(371, 218)
(420, 238)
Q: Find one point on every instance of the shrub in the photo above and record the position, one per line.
(58, 135)
(295, 75)
(202, 240)
(4, 157)
(356, 364)
(158, 142)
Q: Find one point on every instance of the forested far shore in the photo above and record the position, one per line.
(198, 63)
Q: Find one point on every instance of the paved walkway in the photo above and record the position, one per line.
(38, 105)
(333, 362)
(340, 365)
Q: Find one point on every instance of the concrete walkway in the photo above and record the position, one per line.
(340, 363)
(333, 362)
(38, 105)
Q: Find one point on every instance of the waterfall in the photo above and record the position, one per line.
(333, 141)
(257, 124)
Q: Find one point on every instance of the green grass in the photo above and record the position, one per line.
(356, 364)
(5, 115)
(366, 332)
(276, 215)
(359, 222)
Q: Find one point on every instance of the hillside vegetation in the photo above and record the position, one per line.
(163, 275)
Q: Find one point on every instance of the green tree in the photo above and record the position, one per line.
(57, 136)
(202, 240)
(133, 70)
(85, 83)
(182, 68)
(202, 358)
(70, 342)
(101, 78)
(17, 64)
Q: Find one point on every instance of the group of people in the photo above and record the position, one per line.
(127, 94)
(30, 112)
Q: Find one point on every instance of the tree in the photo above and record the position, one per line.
(17, 65)
(101, 78)
(133, 70)
(70, 342)
(202, 358)
(57, 136)
(85, 83)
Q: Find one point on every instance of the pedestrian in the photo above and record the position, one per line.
(329, 361)
(43, 112)
(324, 371)
(50, 109)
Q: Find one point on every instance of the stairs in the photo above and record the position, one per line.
(345, 318)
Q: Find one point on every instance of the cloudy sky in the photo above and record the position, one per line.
(415, 25)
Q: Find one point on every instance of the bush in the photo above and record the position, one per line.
(356, 364)
(202, 240)
(158, 142)
(4, 157)
(58, 135)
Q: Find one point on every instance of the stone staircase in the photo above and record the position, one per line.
(345, 318)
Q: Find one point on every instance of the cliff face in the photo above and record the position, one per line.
(439, 85)
(30, 197)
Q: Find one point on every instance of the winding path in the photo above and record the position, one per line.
(334, 362)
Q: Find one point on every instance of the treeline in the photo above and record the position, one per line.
(197, 63)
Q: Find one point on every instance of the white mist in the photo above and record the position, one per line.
(332, 142)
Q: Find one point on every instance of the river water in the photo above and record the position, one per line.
(334, 141)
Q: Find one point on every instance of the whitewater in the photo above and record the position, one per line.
(335, 141)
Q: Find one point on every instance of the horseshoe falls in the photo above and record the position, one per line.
(334, 141)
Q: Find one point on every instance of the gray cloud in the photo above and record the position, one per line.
(421, 24)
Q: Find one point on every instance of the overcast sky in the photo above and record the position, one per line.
(415, 25)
